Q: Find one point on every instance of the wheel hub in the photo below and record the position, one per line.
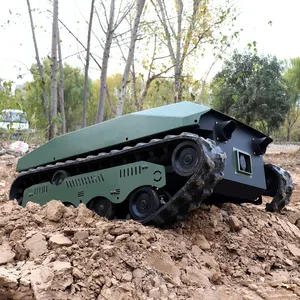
(143, 204)
(101, 208)
(187, 159)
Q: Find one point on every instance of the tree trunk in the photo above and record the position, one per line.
(289, 133)
(121, 100)
(106, 52)
(86, 74)
(53, 125)
(41, 71)
(61, 86)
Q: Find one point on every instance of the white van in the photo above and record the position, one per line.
(13, 119)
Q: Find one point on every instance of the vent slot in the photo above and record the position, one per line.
(131, 171)
(87, 180)
(80, 194)
(39, 190)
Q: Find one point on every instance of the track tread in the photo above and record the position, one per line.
(284, 190)
(199, 186)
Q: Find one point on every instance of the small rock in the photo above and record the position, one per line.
(17, 234)
(138, 273)
(37, 245)
(121, 237)
(127, 276)
(33, 207)
(7, 156)
(289, 262)
(59, 240)
(195, 276)
(279, 254)
(83, 214)
(55, 210)
(81, 235)
(4, 221)
(294, 250)
(163, 290)
(154, 293)
(37, 219)
(120, 230)
(256, 270)
(210, 262)
(235, 223)
(8, 279)
(77, 273)
(20, 249)
(196, 250)
(216, 278)
(201, 242)
(6, 253)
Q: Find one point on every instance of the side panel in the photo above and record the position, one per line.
(114, 132)
(114, 183)
(237, 184)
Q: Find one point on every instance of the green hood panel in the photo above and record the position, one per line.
(113, 132)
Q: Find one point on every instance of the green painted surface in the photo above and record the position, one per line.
(114, 183)
(113, 132)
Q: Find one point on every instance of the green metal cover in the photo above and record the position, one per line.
(113, 132)
(114, 183)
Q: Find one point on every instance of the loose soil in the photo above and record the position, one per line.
(227, 252)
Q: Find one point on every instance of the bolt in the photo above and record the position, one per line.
(143, 204)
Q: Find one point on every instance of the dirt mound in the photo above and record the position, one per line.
(54, 252)
(220, 253)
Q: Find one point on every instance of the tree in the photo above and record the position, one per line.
(252, 89)
(53, 115)
(112, 25)
(185, 32)
(139, 9)
(292, 78)
(86, 74)
(61, 86)
(40, 67)
(73, 90)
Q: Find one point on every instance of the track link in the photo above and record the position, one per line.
(284, 189)
(210, 171)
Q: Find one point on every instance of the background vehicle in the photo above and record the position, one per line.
(14, 120)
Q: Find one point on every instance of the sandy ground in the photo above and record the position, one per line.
(221, 253)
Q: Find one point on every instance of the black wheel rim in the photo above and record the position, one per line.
(104, 208)
(185, 159)
(143, 203)
(58, 177)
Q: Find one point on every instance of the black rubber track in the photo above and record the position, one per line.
(282, 188)
(199, 186)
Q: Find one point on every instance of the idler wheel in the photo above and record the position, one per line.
(58, 177)
(103, 207)
(143, 202)
(185, 158)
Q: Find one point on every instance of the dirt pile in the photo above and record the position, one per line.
(54, 252)
(221, 253)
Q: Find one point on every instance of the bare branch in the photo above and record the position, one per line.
(104, 8)
(99, 20)
(80, 43)
(123, 16)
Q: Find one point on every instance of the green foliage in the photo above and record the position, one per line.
(73, 96)
(292, 79)
(252, 89)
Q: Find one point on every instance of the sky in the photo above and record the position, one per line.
(17, 49)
